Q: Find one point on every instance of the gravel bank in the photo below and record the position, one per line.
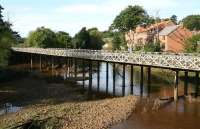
(83, 115)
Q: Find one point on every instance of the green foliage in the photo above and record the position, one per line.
(152, 47)
(118, 41)
(173, 18)
(129, 18)
(64, 40)
(192, 22)
(192, 44)
(42, 37)
(7, 38)
(88, 39)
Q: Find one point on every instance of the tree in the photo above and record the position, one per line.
(152, 47)
(42, 37)
(118, 41)
(82, 39)
(192, 22)
(6, 40)
(173, 18)
(88, 39)
(64, 40)
(96, 39)
(193, 44)
(129, 18)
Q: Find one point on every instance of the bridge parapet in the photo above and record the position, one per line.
(165, 60)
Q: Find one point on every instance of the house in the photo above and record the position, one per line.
(170, 35)
(173, 38)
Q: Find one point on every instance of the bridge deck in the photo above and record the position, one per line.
(189, 62)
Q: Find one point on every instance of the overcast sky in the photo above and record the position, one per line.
(72, 15)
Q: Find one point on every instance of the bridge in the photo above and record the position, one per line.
(176, 62)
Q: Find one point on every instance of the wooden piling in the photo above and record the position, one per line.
(148, 81)
(186, 83)
(114, 74)
(131, 80)
(176, 86)
(141, 80)
(107, 77)
(98, 76)
(123, 80)
(197, 85)
(83, 63)
(90, 78)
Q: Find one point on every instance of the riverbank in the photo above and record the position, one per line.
(85, 115)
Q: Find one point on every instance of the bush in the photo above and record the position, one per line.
(191, 44)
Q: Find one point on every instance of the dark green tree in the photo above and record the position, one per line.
(96, 38)
(173, 18)
(6, 40)
(88, 39)
(82, 39)
(43, 38)
(192, 22)
(129, 18)
(118, 41)
(64, 40)
(193, 44)
(152, 47)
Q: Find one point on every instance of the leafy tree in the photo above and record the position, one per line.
(173, 18)
(82, 39)
(152, 47)
(192, 22)
(64, 40)
(88, 39)
(42, 37)
(129, 18)
(193, 44)
(96, 38)
(118, 41)
(6, 40)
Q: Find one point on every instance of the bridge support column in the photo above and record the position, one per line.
(107, 77)
(197, 85)
(123, 80)
(90, 79)
(75, 67)
(98, 76)
(40, 62)
(141, 80)
(176, 86)
(83, 63)
(52, 65)
(114, 74)
(186, 83)
(149, 81)
(31, 62)
(131, 79)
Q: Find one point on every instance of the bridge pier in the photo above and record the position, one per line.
(31, 62)
(90, 79)
(98, 76)
(197, 85)
(52, 65)
(75, 67)
(40, 56)
(176, 86)
(131, 80)
(114, 74)
(107, 77)
(83, 69)
(148, 81)
(123, 80)
(186, 83)
(141, 80)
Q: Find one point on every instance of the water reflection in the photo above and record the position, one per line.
(9, 108)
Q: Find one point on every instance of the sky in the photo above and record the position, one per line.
(72, 15)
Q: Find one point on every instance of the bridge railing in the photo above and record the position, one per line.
(166, 60)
